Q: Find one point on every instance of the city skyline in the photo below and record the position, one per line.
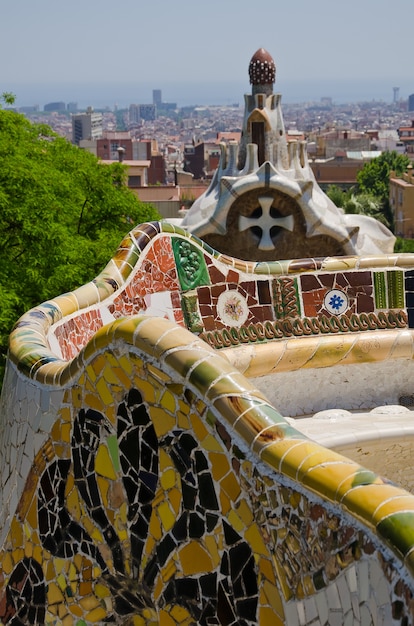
(95, 51)
(230, 93)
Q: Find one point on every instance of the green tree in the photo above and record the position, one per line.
(374, 178)
(362, 203)
(366, 204)
(337, 195)
(7, 97)
(62, 216)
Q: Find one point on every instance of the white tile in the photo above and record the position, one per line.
(291, 614)
(322, 606)
(363, 580)
(332, 594)
(344, 595)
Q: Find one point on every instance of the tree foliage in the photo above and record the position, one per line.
(62, 216)
(374, 177)
(372, 197)
(362, 203)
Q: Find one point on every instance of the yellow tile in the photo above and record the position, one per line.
(244, 512)
(54, 594)
(89, 603)
(317, 456)
(104, 391)
(109, 374)
(65, 414)
(266, 570)
(158, 588)
(53, 610)
(211, 444)
(77, 562)
(85, 588)
(168, 478)
(16, 532)
(95, 368)
(76, 610)
(50, 571)
(175, 498)
(268, 618)
(18, 555)
(166, 515)
(330, 479)
(126, 365)
(181, 615)
(255, 539)
(66, 432)
(73, 574)
(212, 547)
(219, 465)
(392, 503)
(31, 515)
(37, 551)
(224, 503)
(163, 421)
(184, 408)
(155, 529)
(166, 619)
(7, 563)
(158, 375)
(168, 402)
(94, 402)
(28, 532)
(103, 463)
(169, 571)
(275, 454)
(199, 429)
(231, 486)
(194, 559)
(121, 376)
(103, 486)
(182, 420)
(273, 598)
(55, 433)
(96, 615)
(235, 521)
(139, 621)
(147, 391)
(376, 501)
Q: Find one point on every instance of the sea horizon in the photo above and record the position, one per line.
(121, 95)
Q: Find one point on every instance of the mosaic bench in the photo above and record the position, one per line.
(147, 480)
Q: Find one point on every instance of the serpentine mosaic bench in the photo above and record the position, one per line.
(147, 480)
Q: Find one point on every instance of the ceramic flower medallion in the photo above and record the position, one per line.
(232, 308)
(336, 302)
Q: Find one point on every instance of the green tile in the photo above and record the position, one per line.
(380, 290)
(395, 280)
(191, 266)
(189, 304)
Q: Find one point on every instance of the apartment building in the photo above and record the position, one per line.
(87, 126)
(406, 134)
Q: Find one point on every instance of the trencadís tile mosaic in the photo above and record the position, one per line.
(145, 480)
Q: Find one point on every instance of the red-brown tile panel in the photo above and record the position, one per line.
(156, 274)
(76, 332)
(356, 285)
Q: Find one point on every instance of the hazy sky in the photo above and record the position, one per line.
(167, 42)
